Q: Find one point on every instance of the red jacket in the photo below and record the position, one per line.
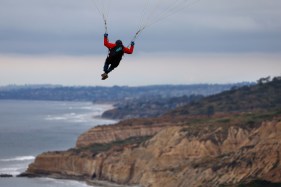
(112, 45)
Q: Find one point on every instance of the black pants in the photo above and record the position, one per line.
(110, 64)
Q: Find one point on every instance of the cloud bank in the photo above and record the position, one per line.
(70, 27)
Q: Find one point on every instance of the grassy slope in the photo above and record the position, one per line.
(260, 97)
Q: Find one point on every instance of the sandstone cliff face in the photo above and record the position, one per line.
(111, 133)
(175, 158)
(62, 163)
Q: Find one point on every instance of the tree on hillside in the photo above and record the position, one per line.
(264, 80)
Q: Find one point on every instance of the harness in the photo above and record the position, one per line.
(116, 53)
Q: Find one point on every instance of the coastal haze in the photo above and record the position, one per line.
(61, 42)
(139, 70)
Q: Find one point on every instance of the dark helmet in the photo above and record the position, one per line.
(118, 42)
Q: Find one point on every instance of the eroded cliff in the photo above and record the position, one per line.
(181, 155)
(111, 133)
(227, 139)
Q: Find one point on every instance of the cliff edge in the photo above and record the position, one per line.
(188, 155)
(230, 139)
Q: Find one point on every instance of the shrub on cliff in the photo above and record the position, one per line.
(265, 96)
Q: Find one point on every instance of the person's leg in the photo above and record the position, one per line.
(106, 69)
(106, 66)
(113, 65)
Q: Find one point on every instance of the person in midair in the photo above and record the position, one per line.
(116, 52)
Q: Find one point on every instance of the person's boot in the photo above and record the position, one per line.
(104, 76)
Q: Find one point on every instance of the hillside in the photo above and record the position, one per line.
(263, 96)
(152, 106)
(223, 148)
(218, 151)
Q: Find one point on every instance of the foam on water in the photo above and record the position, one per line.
(13, 169)
(61, 182)
(19, 158)
(28, 128)
(85, 116)
(70, 117)
(10, 171)
(15, 165)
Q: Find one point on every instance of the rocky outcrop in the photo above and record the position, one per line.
(112, 133)
(176, 157)
(65, 163)
(5, 175)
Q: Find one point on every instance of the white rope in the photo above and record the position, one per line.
(103, 8)
(153, 12)
(173, 11)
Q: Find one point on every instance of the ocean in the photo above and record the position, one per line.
(28, 128)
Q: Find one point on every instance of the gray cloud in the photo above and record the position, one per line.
(74, 27)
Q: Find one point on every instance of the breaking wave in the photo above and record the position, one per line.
(19, 158)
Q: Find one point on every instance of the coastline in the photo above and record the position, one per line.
(43, 126)
(172, 149)
(107, 184)
(91, 182)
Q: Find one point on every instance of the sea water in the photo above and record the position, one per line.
(28, 128)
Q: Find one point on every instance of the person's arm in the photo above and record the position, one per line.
(131, 49)
(106, 42)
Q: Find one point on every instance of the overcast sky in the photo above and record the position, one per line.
(61, 42)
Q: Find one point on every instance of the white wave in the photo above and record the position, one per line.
(61, 182)
(89, 117)
(87, 108)
(19, 158)
(55, 118)
(70, 117)
(64, 117)
(11, 171)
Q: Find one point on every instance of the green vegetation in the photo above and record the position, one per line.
(256, 183)
(247, 118)
(259, 183)
(200, 125)
(261, 97)
(151, 106)
(97, 148)
(246, 107)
